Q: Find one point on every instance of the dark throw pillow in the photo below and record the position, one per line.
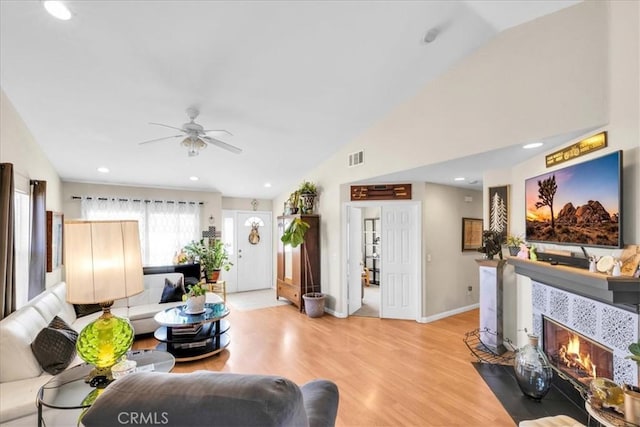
(85, 309)
(172, 292)
(55, 346)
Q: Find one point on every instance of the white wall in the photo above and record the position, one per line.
(544, 78)
(243, 204)
(19, 147)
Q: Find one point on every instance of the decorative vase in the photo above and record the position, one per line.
(632, 404)
(513, 250)
(308, 202)
(213, 276)
(195, 305)
(533, 371)
(314, 303)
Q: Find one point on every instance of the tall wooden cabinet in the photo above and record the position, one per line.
(293, 269)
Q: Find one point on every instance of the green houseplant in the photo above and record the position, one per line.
(632, 393)
(212, 257)
(195, 299)
(308, 192)
(513, 243)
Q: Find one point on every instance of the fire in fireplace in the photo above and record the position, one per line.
(575, 355)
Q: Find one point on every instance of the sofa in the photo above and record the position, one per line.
(214, 399)
(21, 376)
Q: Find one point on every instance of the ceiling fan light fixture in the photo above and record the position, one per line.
(193, 145)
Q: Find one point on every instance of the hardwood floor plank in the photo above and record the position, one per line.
(389, 372)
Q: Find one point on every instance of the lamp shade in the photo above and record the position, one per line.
(103, 261)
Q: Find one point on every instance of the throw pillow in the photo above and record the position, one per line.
(55, 346)
(85, 309)
(172, 292)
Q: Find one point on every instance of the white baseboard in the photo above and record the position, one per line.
(442, 315)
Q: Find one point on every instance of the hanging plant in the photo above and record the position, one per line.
(294, 233)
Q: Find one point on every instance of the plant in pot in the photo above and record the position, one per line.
(491, 244)
(293, 235)
(195, 299)
(308, 193)
(632, 393)
(513, 244)
(212, 257)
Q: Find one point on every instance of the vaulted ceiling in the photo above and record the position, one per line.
(292, 81)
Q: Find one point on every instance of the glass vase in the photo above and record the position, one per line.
(533, 370)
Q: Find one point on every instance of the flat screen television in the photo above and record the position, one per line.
(577, 205)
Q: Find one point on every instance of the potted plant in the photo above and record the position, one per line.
(491, 244)
(308, 193)
(513, 243)
(212, 257)
(632, 393)
(293, 235)
(195, 299)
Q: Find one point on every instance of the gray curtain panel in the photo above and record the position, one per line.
(7, 247)
(38, 253)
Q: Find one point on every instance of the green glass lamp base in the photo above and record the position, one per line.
(102, 342)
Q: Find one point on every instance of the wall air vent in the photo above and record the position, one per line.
(356, 159)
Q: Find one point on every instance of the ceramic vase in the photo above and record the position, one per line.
(195, 305)
(533, 370)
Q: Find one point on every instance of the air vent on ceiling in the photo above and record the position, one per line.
(356, 158)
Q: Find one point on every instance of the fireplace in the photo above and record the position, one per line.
(575, 356)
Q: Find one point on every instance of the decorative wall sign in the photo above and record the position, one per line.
(593, 143)
(471, 234)
(55, 221)
(254, 222)
(381, 192)
(499, 210)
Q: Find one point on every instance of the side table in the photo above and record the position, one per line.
(68, 390)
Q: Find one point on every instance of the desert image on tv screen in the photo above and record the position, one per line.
(576, 205)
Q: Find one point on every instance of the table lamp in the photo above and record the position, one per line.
(103, 263)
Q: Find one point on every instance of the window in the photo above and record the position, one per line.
(165, 226)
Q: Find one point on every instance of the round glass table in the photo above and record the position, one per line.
(68, 390)
(193, 336)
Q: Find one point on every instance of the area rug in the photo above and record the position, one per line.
(502, 382)
(254, 300)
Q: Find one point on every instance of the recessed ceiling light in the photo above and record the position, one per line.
(194, 178)
(58, 9)
(267, 185)
(460, 178)
(532, 145)
(103, 169)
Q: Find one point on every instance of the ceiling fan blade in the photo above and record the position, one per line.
(221, 144)
(167, 126)
(160, 139)
(218, 130)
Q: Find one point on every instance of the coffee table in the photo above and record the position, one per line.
(193, 336)
(68, 390)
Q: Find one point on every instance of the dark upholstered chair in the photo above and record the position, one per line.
(206, 398)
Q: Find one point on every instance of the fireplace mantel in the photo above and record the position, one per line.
(621, 291)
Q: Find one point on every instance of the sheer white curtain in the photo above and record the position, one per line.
(165, 226)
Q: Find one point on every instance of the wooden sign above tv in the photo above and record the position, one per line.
(381, 192)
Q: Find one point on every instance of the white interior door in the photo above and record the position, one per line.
(252, 263)
(354, 259)
(399, 284)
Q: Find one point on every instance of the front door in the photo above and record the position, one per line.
(248, 234)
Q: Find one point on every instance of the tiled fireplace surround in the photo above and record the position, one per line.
(606, 324)
(602, 308)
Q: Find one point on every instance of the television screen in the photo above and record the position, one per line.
(577, 205)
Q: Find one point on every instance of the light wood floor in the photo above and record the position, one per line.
(389, 372)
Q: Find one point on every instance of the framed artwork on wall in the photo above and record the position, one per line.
(499, 210)
(55, 221)
(471, 234)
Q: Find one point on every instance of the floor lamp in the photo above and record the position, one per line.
(103, 263)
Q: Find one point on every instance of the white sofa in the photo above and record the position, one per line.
(20, 374)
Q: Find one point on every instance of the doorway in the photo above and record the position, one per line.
(248, 238)
(387, 233)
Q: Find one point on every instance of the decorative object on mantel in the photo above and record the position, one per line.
(533, 370)
(630, 258)
(513, 243)
(491, 244)
(381, 192)
(588, 145)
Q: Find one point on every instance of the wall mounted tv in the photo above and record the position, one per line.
(578, 205)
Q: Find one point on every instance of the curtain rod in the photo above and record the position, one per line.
(124, 199)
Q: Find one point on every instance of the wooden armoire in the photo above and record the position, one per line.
(299, 267)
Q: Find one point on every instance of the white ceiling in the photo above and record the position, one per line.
(293, 82)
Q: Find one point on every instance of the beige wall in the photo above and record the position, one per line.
(242, 204)
(19, 147)
(561, 73)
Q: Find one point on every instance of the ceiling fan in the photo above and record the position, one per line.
(195, 136)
